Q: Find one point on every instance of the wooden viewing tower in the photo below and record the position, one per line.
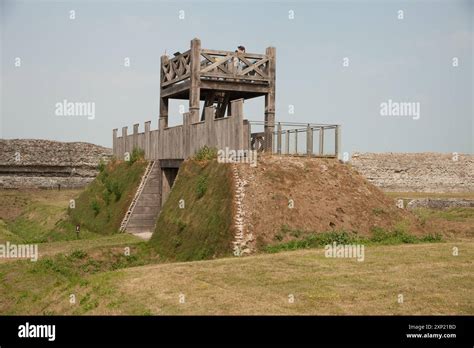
(222, 80)
(218, 78)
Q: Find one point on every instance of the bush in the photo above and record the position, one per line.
(78, 254)
(201, 187)
(101, 166)
(137, 154)
(95, 207)
(106, 195)
(117, 190)
(206, 153)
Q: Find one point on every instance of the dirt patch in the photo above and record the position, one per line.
(317, 195)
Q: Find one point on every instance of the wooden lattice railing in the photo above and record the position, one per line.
(216, 64)
(234, 65)
(176, 69)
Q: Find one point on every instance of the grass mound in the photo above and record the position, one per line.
(102, 205)
(196, 221)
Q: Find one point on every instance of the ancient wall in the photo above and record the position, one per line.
(417, 172)
(46, 164)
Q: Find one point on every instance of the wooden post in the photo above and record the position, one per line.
(163, 101)
(270, 99)
(194, 91)
(246, 135)
(163, 120)
(114, 142)
(338, 140)
(211, 139)
(321, 141)
(186, 135)
(296, 141)
(147, 140)
(309, 140)
(135, 136)
(124, 142)
(238, 124)
(279, 139)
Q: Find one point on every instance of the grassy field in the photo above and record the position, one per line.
(121, 274)
(428, 276)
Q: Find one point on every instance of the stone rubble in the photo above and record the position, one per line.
(417, 172)
(242, 239)
(34, 163)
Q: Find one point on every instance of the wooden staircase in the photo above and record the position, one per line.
(141, 216)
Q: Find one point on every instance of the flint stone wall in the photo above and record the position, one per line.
(417, 172)
(32, 163)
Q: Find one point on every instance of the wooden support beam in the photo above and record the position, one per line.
(124, 142)
(296, 142)
(222, 105)
(309, 140)
(338, 140)
(171, 91)
(287, 142)
(194, 91)
(270, 99)
(279, 138)
(220, 85)
(321, 141)
(147, 140)
(135, 136)
(237, 121)
(114, 142)
(209, 114)
(163, 99)
(209, 101)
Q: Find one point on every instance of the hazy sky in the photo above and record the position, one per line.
(403, 60)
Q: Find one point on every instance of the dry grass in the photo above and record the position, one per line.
(430, 278)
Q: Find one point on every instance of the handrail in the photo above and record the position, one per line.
(280, 138)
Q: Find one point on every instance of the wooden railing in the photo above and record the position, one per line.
(298, 139)
(176, 69)
(234, 65)
(214, 64)
(182, 141)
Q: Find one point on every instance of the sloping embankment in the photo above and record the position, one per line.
(196, 221)
(278, 201)
(102, 205)
(287, 198)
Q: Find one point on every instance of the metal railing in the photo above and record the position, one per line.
(296, 139)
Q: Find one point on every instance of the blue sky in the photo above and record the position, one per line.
(408, 60)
